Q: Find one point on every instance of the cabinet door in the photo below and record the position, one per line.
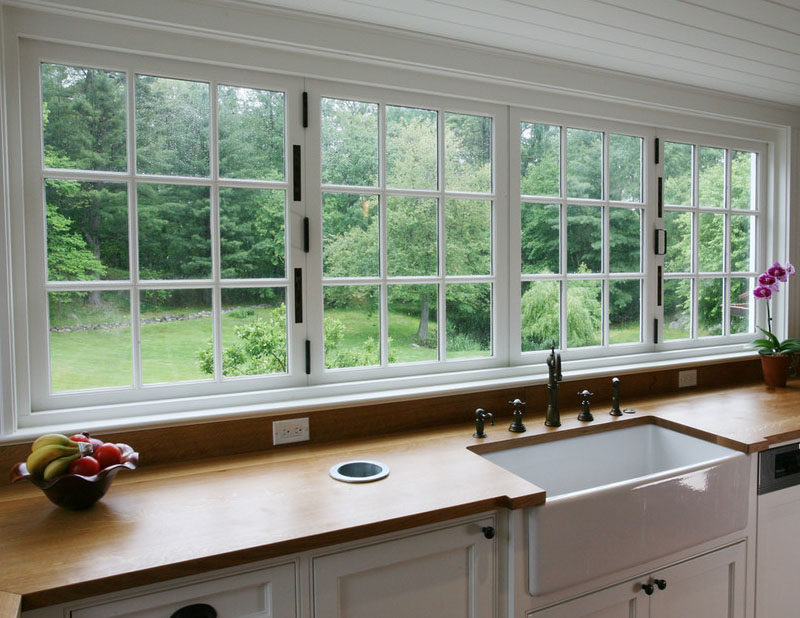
(447, 573)
(621, 601)
(777, 592)
(268, 593)
(710, 586)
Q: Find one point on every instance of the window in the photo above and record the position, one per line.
(407, 226)
(165, 256)
(711, 220)
(582, 211)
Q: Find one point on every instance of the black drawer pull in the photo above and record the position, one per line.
(661, 583)
(198, 610)
(488, 532)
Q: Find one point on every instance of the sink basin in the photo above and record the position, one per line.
(624, 497)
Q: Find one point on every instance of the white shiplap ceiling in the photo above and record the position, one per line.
(746, 47)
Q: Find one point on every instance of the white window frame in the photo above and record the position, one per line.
(33, 53)
(500, 230)
(760, 216)
(510, 87)
(647, 207)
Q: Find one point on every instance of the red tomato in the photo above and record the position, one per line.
(108, 455)
(85, 466)
(79, 437)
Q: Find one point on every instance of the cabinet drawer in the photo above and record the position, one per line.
(266, 593)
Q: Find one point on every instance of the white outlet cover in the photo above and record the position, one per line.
(290, 430)
(687, 378)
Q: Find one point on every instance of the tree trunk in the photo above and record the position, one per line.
(424, 313)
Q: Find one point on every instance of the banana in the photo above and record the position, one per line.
(37, 461)
(59, 466)
(52, 438)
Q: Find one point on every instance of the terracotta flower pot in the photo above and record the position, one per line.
(775, 368)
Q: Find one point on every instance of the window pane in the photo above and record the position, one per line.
(584, 313)
(352, 326)
(624, 305)
(175, 330)
(541, 302)
(584, 164)
(625, 168)
(709, 309)
(251, 224)
(253, 333)
(250, 133)
(412, 323)
(87, 230)
(83, 120)
(584, 239)
(540, 238)
(743, 243)
(412, 236)
(743, 180)
(350, 235)
(174, 234)
(468, 153)
(411, 148)
(742, 310)
(90, 339)
(172, 126)
(711, 187)
(540, 151)
(469, 237)
(625, 240)
(679, 241)
(711, 244)
(349, 143)
(678, 174)
(469, 320)
(677, 308)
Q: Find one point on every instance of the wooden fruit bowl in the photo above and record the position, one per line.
(74, 491)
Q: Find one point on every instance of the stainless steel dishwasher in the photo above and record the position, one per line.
(778, 540)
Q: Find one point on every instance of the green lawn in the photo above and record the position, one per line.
(102, 358)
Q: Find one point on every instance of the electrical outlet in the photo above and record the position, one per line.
(687, 378)
(290, 430)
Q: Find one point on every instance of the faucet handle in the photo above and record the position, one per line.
(517, 426)
(585, 414)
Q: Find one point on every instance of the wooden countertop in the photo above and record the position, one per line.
(162, 522)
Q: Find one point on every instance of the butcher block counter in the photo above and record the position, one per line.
(167, 521)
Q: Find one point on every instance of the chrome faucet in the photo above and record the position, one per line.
(553, 418)
(480, 417)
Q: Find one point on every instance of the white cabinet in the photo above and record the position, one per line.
(447, 573)
(710, 585)
(266, 593)
(777, 592)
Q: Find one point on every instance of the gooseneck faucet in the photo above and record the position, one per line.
(480, 417)
(553, 418)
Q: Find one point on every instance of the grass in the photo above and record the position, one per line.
(102, 358)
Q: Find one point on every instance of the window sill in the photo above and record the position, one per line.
(371, 392)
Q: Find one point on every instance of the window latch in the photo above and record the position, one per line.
(660, 242)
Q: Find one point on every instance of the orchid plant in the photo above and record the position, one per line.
(768, 284)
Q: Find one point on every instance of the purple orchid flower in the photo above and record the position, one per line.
(763, 291)
(768, 280)
(777, 271)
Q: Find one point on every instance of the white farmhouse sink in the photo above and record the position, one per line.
(624, 497)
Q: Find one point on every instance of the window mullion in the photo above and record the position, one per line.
(441, 322)
(216, 291)
(383, 221)
(133, 235)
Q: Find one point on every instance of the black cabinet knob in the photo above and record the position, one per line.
(198, 610)
(648, 589)
(488, 532)
(661, 583)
